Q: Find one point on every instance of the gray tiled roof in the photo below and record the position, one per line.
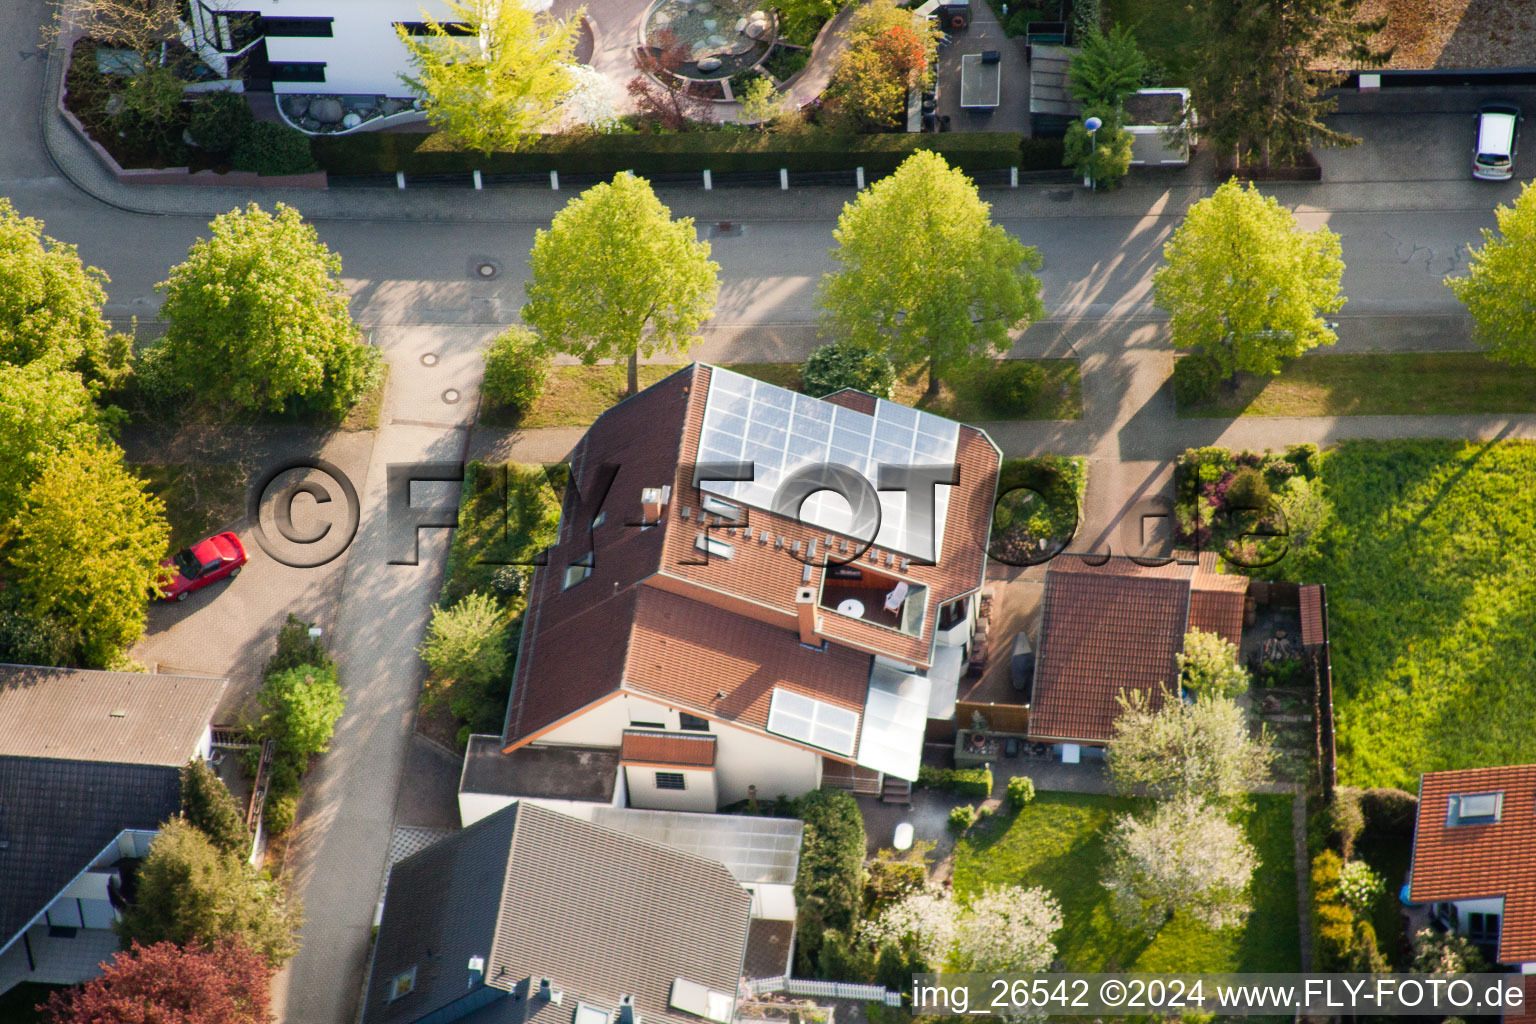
(118, 717)
(56, 816)
(541, 894)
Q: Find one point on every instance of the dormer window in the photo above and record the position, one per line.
(709, 545)
(724, 509)
(1474, 808)
(576, 572)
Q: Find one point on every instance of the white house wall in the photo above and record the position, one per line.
(698, 792)
(474, 806)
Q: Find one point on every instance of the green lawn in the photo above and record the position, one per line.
(199, 500)
(1165, 31)
(1431, 569)
(1379, 384)
(1058, 842)
(577, 395)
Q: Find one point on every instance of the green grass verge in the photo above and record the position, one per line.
(199, 500)
(1430, 562)
(507, 515)
(1380, 384)
(1058, 842)
(577, 395)
(683, 152)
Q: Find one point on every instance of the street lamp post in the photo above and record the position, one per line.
(1093, 124)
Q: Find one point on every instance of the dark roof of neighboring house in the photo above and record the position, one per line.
(647, 621)
(118, 717)
(56, 816)
(564, 773)
(644, 746)
(539, 894)
(1461, 862)
(769, 944)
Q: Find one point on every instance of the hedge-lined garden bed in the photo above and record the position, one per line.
(721, 152)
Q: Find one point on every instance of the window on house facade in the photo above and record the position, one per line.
(403, 984)
(952, 614)
(692, 723)
(421, 28)
(1483, 928)
(1474, 808)
(647, 725)
(575, 573)
(297, 28)
(670, 780)
(298, 71)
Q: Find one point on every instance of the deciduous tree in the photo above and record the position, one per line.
(890, 50)
(497, 76)
(760, 102)
(300, 708)
(466, 646)
(615, 277)
(1183, 857)
(1198, 748)
(1007, 928)
(1244, 285)
(1104, 157)
(659, 91)
(207, 805)
(50, 302)
(1499, 288)
(188, 891)
(1208, 666)
(257, 315)
(43, 411)
(163, 983)
(87, 548)
(925, 276)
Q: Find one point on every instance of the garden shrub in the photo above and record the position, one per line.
(1305, 457)
(1335, 921)
(842, 365)
(1437, 952)
(1195, 378)
(1360, 887)
(1346, 820)
(207, 804)
(219, 121)
(1012, 386)
(1021, 790)
(843, 959)
(155, 390)
(295, 647)
(890, 879)
(279, 812)
(27, 638)
(1248, 490)
(962, 817)
(516, 369)
(272, 149)
(300, 707)
(972, 782)
(830, 885)
(1388, 814)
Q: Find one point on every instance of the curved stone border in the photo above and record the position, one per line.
(755, 66)
(373, 125)
(174, 175)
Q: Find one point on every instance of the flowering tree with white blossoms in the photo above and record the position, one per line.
(1007, 928)
(925, 917)
(591, 103)
(1003, 928)
(1185, 856)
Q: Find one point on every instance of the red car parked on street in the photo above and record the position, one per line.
(205, 562)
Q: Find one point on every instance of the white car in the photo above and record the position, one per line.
(1494, 156)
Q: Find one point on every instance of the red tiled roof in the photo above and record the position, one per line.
(1102, 633)
(642, 746)
(1219, 612)
(1459, 862)
(1312, 634)
(1527, 1014)
(648, 621)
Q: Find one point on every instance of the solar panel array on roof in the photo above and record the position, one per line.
(779, 432)
(812, 721)
(752, 849)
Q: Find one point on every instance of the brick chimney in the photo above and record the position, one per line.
(805, 610)
(652, 501)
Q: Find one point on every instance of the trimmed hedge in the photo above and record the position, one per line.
(645, 154)
(972, 782)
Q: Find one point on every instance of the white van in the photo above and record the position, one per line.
(1494, 157)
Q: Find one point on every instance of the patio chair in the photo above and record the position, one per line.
(898, 594)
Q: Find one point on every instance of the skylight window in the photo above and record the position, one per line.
(403, 984)
(780, 432)
(718, 548)
(808, 720)
(1474, 808)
